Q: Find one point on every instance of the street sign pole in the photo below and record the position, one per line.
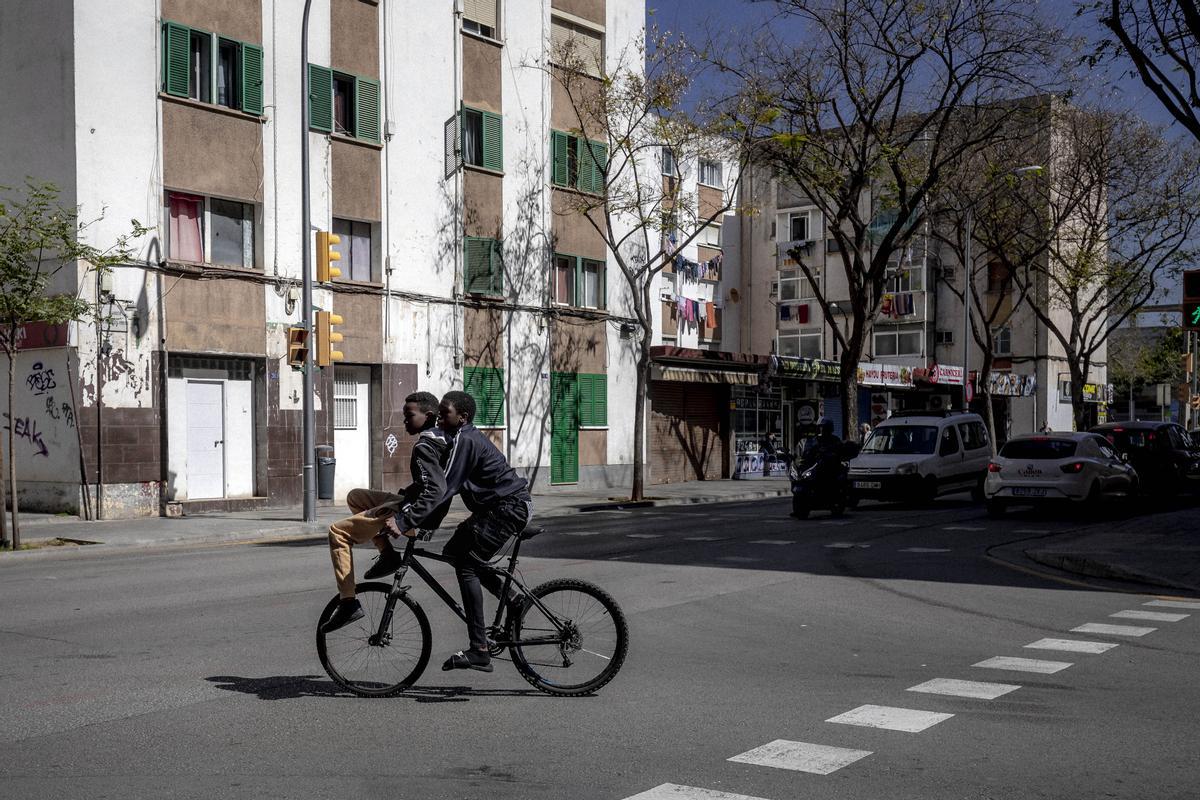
(309, 438)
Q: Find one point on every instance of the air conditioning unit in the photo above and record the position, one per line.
(940, 402)
(774, 290)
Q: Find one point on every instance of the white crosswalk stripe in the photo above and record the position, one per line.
(1173, 604)
(962, 528)
(977, 690)
(1023, 664)
(925, 550)
(702, 538)
(909, 720)
(643, 535)
(674, 791)
(1112, 630)
(1072, 645)
(1152, 616)
(818, 759)
(773, 541)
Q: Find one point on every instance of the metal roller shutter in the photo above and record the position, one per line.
(687, 437)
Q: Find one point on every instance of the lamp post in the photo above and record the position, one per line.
(969, 224)
(309, 435)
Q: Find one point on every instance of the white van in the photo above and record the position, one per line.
(918, 455)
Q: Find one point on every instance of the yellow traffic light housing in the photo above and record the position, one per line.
(326, 255)
(327, 337)
(297, 347)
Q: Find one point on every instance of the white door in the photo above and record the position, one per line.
(351, 429)
(205, 439)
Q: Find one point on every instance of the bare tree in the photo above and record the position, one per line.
(625, 116)
(1112, 217)
(877, 102)
(1160, 40)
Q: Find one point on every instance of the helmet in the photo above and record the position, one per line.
(825, 426)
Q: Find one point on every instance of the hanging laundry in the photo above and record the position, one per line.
(802, 314)
(904, 304)
(887, 306)
(785, 312)
(710, 314)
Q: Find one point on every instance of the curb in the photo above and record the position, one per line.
(302, 530)
(1093, 568)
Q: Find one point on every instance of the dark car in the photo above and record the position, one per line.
(1166, 458)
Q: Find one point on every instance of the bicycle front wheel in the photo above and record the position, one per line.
(370, 661)
(576, 644)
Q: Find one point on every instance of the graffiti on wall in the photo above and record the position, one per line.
(41, 379)
(27, 429)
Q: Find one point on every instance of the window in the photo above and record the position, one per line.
(794, 285)
(483, 266)
(198, 63)
(798, 227)
(482, 138)
(669, 167)
(999, 278)
(210, 230)
(904, 279)
(710, 236)
(345, 104)
(579, 282)
(898, 342)
(974, 435)
(943, 337)
(832, 246)
(355, 249)
(486, 386)
(345, 403)
(803, 345)
(1002, 341)
(949, 445)
(593, 400)
(710, 173)
(479, 16)
(578, 163)
(577, 47)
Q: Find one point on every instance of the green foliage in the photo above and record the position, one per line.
(1147, 362)
(38, 239)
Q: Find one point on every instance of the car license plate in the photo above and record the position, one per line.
(868, 485)
(1028, 491)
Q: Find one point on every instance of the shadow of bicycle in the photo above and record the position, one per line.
(291, 687)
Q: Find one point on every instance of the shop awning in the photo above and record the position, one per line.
(812, 369)
(664, 372)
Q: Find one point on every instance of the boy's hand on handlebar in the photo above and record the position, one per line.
(391, 528)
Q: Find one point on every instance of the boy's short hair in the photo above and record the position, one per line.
(426, 401)
(463, 403)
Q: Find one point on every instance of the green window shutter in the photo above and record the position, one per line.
(477, 265)
(176, 53)
(320, 98)
(558, 146)
(585, 399)
(496, 396)
(486, 385)
(496, 268)
(600, 400)
(604, 284)
(252, 79)
(493, 141)
(564, 427)
(598, 165)
(366, 109)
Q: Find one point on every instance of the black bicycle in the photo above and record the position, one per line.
(567, 637)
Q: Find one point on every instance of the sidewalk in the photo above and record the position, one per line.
(285, 523)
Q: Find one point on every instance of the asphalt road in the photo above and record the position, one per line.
(192, 674)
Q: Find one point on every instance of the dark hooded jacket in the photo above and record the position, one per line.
(480, 472)
(423, 505)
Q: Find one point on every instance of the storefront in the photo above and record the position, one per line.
(757, 412)
(1002, 388)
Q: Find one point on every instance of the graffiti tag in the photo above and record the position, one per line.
(25, 428)
(63, 412)
(391, 443)
(40, 380)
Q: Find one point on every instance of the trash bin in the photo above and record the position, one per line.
(325, 466)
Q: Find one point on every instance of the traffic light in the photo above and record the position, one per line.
(297, 347)
(326, 337)
(1191, 300)
(325, 255)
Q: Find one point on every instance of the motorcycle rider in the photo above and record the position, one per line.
(824, 451)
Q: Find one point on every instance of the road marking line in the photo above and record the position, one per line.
(909, 720)
(1113, 630)
(580, 533)
(1156, 616)
(973, 689)
(1072, 645)
(674, 791)
(702, 538)
(818, 759)
(643, 535)
(773, 541)
(845, 545)
(1172, 604)
(925, 550)
(1023, 664)
(1031, 530)
(962, 528)
(838, 522)
(741, 559)
(897, 525)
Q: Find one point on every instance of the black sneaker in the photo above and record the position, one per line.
(347, 611)
(469, 659)
(388, 562)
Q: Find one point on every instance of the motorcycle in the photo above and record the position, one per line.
(823, 485)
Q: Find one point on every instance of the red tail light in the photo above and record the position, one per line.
(993, 467)
(1072, 469)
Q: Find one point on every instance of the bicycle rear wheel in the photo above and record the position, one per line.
(587, 653)
(361, 660)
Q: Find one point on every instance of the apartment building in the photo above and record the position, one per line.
(438, 148)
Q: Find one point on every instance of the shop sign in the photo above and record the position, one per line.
(1010, 384)
(1097, 393)
(946, 375)
(41, 335)
(872, 374)
(813, 369)
(745, 398)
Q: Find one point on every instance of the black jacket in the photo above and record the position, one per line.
(424, 504)
(480, 472)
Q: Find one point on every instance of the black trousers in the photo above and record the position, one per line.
(478, 539)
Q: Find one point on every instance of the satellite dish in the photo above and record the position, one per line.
(734, 295)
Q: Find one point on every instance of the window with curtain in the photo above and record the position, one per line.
(577, 46)
(355, 249)
(343, 104)
(710, 173)
(228, 78)
(480, 17)
(200, 86)
(564, 280)
(231, 226)
(186, 233)
(592, 295)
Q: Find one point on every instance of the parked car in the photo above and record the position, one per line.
(1034, 468)
(920, 455)
(1165, 456)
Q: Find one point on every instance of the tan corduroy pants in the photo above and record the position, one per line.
(367, 522)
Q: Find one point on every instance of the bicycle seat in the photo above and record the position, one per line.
(529, 533)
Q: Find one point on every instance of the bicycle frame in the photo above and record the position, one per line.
(410, 561)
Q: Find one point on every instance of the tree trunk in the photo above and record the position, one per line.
(848, 394)
(637, 491)
(12, 461)
(989, 415)
(4, 542)
(1078, 421)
